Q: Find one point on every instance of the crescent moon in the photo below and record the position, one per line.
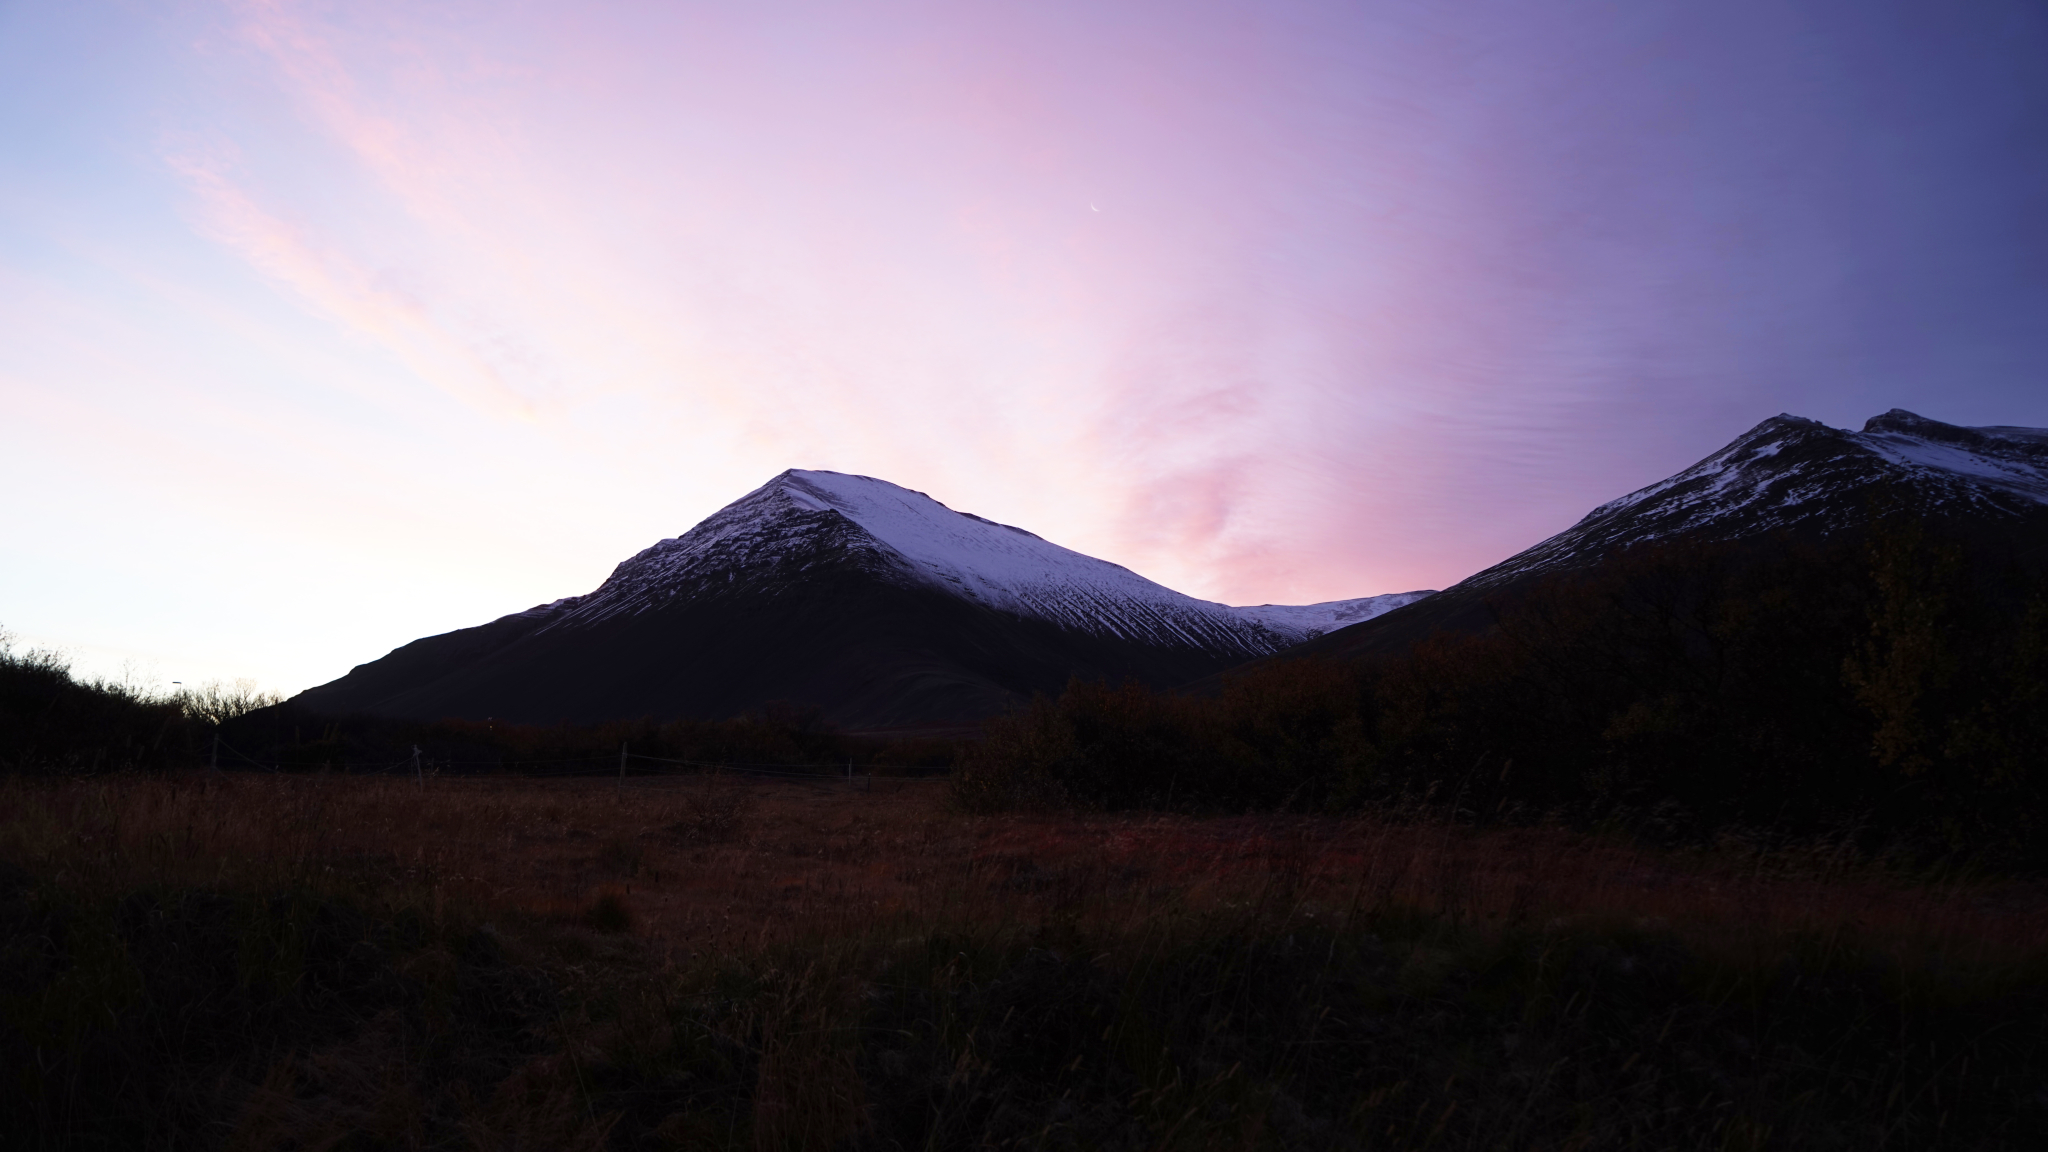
(1092, 207)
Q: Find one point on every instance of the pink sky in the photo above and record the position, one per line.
(335, 325)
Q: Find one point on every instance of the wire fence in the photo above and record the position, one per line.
(622, 768)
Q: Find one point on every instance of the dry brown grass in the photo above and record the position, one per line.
(718, 865)
(724, 962)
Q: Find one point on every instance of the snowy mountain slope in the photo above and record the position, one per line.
(1311, 620)
(877, 605)
(1793, 474)
(907, 536)
(1786, 477)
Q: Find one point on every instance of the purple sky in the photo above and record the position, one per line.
(330, 326)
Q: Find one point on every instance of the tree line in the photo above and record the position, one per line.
(1892, 688)
(54, 722)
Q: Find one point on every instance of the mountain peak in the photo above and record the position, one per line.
(1788, 420)
(1909, 423)
(1007, 569)
(873, 601)
(1790, 473)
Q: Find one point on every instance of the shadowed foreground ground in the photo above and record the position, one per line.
(321, 962)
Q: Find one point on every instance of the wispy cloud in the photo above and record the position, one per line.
(327, 281)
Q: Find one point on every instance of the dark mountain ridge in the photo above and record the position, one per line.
(1788, 481)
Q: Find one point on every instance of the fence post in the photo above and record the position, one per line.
(622, 770)
(214, 764)
(419, 775)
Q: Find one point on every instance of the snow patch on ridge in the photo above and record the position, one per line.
(1016, 571)
(1315, 619)
(2012, 460)
(2020, 476)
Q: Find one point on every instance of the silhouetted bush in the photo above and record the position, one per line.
(51, 721)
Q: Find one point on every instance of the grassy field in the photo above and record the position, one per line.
(210, 960)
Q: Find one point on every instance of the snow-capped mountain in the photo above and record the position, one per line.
(1793, 474)
(1786, 477)
(768, 536)
(826, 589)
